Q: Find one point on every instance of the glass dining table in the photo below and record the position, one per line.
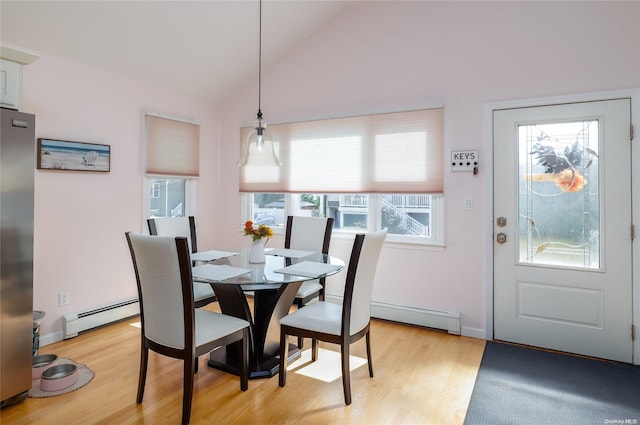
(273, 286)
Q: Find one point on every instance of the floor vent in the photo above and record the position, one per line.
(73, 324)
(437, 319)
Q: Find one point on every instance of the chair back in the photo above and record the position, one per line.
(165, 289)
(175, 226)
(308, 233)
(361, 272)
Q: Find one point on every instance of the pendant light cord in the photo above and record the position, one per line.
(260, 61)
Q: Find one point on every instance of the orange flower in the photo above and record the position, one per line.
(570, 181)
(258, 233)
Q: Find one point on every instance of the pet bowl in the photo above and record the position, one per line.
(41, 363)
(59, 377)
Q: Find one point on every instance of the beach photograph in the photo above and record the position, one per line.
(73, 156)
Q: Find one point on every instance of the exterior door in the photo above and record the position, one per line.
(562, 228)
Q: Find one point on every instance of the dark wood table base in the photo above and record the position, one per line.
(271, 303)
(269, 367)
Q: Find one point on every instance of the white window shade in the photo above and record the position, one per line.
(388, 153)
(172, 147)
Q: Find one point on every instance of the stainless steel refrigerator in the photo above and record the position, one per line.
(17, 172)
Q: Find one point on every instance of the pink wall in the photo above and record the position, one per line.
(374, 57)
(80, 218)
(388, 56)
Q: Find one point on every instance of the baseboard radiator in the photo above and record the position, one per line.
(73, 324)
(444, 320)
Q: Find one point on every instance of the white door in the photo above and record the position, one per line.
(562, 227)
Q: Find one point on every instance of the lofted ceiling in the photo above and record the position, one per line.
(203, 48)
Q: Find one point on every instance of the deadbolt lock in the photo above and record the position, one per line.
(501, 221)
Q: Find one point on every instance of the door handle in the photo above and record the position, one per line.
(501, 238)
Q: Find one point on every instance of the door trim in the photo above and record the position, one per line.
(634, 94)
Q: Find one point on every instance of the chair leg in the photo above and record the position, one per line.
(187, 390)
(299, 303)
(144, 360)
(244, 361)
(314, 350)
(195, 368)
(368, 339)
(346, 374)
(284, 354)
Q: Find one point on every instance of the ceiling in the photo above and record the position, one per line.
(203, 48)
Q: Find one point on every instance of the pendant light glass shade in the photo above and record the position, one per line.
(258, 149)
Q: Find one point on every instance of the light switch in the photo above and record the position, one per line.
(468, 203)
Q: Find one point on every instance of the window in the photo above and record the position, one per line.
(155, 190)
(367, 172)
(171, 165)
(167, 197)
(412, 218)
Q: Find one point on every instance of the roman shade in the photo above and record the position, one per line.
(399, 152)
(172, 147)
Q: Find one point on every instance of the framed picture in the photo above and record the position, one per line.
(73, 156)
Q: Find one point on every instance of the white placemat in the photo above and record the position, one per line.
(211, 255)
(289, 253)
(309, 269)
(215, 272)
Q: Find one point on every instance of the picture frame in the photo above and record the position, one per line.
(64, 155)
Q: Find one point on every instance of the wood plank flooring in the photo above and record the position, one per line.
(422, 376)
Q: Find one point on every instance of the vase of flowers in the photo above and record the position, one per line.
(259, 237)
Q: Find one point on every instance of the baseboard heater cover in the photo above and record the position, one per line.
(444, 320)
(73, 324)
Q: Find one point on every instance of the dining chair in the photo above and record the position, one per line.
(183, 226)
(171, 325)
(344, 323)
(309, 234)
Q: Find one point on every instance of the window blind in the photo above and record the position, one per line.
(398, 152)
(172, 147)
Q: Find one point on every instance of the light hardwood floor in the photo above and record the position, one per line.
(422, 377)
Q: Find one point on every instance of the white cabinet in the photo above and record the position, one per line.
(12, 59)
(10, 84)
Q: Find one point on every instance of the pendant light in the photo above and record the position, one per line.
(258, 149)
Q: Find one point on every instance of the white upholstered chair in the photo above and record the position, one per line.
(183, 226)
(171, 325)
(309, 234)
(339, 324)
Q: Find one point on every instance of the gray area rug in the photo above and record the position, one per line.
(518, 385)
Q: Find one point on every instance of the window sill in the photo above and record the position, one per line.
(398, 242)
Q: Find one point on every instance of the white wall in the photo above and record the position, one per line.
(81, 217)
(374, 57)
(388, 56)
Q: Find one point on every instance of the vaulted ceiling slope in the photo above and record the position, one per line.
(203, 48)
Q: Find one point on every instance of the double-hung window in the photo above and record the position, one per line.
(367, 172)
(172, 164)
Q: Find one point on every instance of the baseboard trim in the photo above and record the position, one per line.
(437, 319)
(51, 338)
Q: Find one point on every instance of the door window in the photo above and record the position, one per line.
(559, 199)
